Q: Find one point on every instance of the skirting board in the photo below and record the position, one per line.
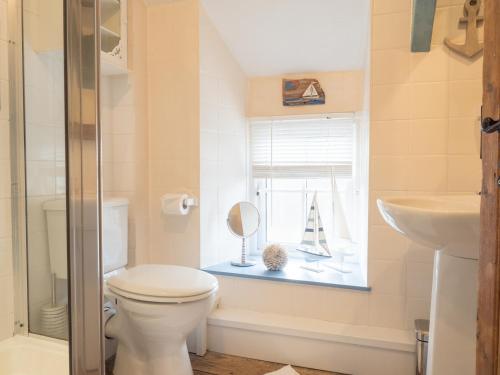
(312, 343)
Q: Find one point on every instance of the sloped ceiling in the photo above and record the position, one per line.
(272, 37)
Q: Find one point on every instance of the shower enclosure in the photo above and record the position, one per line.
(50, 273)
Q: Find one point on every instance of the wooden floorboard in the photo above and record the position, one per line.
(222, 364)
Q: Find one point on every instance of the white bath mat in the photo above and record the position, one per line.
(287, 370)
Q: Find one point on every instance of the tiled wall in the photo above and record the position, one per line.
(223, 156)
(174, 127)
(424, 139)
(125, 140)
(6, 271)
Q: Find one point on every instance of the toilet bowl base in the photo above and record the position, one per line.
(172, 359)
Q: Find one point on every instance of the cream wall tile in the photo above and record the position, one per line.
(447, 3)
(390, 66)
(419, 253)
(123, 120)
(464, 174)
(391, 31)
(41, 178)
(40, 143)
(209, 145)
(465, 98)
(429, 136)
(429, 100)
(419, 280)
(387, 277)
(124, 148)
(427, 173)
(391, 6)
(464, 135)
(386, 244)
(462, 68)
(387, 311)
(430, 66)
(391, 102)
(349, 307)
(4, 140)
(124, 177)
(390, 137)
(389, 173)
(417, 308)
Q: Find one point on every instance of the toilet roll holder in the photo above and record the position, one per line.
(190, 202)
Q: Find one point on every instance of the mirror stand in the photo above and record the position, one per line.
(243, 262)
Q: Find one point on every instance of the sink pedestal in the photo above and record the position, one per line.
(452, 341)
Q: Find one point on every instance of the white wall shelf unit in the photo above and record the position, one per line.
(114, 37)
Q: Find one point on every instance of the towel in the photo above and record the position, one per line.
(287, 370)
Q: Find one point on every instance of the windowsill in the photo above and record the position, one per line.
(294, 273)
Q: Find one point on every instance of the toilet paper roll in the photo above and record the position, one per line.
(173, 204)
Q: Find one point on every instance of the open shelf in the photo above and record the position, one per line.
(107, 32)
(113, 37)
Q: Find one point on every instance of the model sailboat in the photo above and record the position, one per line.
(314, 241)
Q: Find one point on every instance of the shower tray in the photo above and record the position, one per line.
(31, 355)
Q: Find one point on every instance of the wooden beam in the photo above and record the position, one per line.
(488, 328)
(422, 24)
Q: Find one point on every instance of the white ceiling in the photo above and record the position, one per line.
(272, 37)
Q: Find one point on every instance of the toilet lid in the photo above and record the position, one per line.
(163, 281)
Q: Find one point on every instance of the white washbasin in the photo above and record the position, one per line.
(443, 222)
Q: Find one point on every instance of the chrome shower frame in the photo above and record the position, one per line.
(83, 176)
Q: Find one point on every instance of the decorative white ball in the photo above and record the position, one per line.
(275, 257)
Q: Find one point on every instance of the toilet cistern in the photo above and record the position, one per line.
(450, 225)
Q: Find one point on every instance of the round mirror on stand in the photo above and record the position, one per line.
(243, 221)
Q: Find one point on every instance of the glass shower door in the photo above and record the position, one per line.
(61, 163)
(45, 158)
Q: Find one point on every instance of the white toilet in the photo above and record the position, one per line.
(158, 306)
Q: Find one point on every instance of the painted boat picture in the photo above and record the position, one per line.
(297, 92)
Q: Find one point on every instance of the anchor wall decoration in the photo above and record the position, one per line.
(472, 46)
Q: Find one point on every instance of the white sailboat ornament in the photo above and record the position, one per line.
(341, 234)
(314, 243)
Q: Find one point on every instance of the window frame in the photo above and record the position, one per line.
(257, 242)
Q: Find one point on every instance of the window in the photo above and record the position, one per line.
(294, 159)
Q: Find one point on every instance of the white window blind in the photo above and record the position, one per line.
(298, 148)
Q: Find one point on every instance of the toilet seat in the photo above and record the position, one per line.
(163, 284)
